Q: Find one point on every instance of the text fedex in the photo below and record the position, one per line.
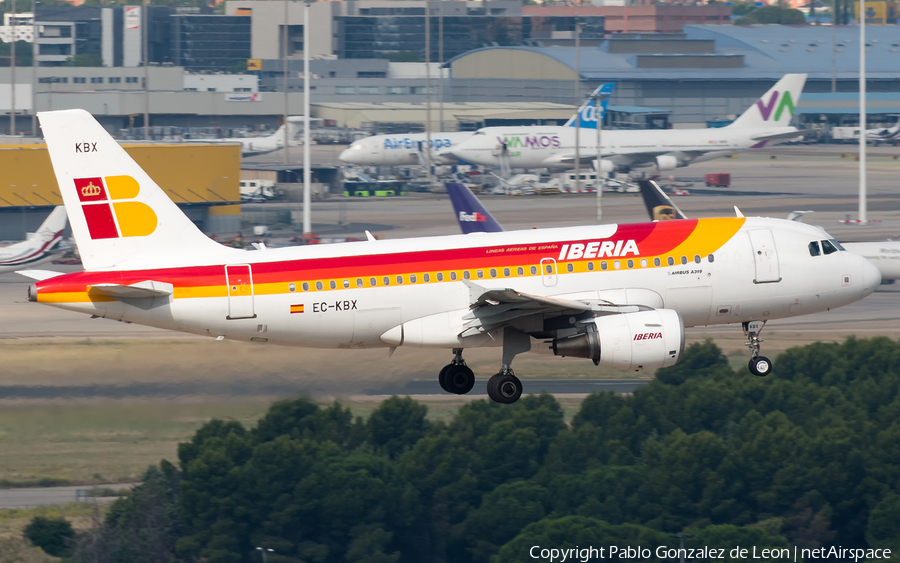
(599, 249)
(407, 143)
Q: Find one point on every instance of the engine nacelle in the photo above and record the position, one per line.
(666, 162)
(605, 165)
(642, 340)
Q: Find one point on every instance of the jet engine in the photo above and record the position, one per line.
(638, 341)
(606, 165)
(666, 162)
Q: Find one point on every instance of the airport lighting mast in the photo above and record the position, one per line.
(284, 63)
(577, 106)
(307, 222)
(598, 112)
(428, 91)
(12, 71)
(862, 112)
(34, 34)
(145, 30)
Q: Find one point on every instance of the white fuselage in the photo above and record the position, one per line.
(403, 150)
(554, 147)
(335, 296)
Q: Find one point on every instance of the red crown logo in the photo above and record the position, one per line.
(90, 190)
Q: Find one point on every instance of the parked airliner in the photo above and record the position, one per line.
(40, 248)
(765, 121)
(408, 149)
(254, 146)
(619, 295)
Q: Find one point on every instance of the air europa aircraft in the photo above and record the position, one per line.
(407, 150)
(619, 295)
(40, 248)
(765, 121)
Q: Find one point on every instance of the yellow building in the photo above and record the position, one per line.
(879, 13)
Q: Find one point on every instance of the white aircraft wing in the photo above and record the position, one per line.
(496, 308)
(777, 136)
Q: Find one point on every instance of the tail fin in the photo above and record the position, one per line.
(658, 204)
(53, 226)
(116, 211)
(471, 214)
(776, 107)
(587, 113)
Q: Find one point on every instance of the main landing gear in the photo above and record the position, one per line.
(759, 365)
(503, 387)
(457, 377)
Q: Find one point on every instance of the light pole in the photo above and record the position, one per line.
(598, 112)
(146, 30)
(428, 91)
(862, 112)
(284, 61)
(12, 69)
(577, 107)
(34, 53)
(307, 222)
(263, 551)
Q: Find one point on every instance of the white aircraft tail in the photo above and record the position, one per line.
(116, 210)
(53, 226)
(776, 107)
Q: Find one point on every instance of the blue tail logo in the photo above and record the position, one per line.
(471, 214)
(587, 113)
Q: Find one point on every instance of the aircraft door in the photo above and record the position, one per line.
(765, 256)
(239, 281)
(548, 272)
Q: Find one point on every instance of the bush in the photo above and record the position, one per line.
(53, 535)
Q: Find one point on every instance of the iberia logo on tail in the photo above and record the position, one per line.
(109, 214)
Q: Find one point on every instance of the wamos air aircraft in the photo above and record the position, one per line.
(40, 248)
(541, 147)
(407, 150)
(619, 295)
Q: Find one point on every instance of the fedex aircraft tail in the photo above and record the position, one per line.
(472, 216)
(776, 107)
(116, 210)
(587, 113)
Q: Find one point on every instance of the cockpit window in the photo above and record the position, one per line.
(828, 248)
(814, 248)
(837, 245)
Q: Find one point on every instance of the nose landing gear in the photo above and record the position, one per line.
(457, 377)
(759, 365)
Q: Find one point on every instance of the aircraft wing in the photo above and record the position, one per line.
(495, 308)
(140, 290)
(777, 136)
(39, 275)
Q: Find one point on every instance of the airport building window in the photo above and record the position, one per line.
(305, 286)
(711, 258)
(243, 89)
(590, 266)
(440, 276)
(79, 80)
(373, 282)
(630, 264)
(534, 270)
(671, 261)
(394, 90)
(520, 271)
(332, 285)
(420, 90)
(342, 90)
(319, 286)
(386, 280)
(505, 272)
(412, 278)
(656, 262)
(617, 265)
(96, 80)
(134, 80)
(493, 273)
(603, 265)
(346, 284)
(368, 90)
(570, 267)
(115, 79)
(643, 262)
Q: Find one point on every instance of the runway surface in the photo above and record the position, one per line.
(52, 496)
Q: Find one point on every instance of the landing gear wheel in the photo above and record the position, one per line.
(442, 377)
(458, 379)
(504, 388)
(761, 366)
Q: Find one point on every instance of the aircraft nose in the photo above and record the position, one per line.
(346, 156)
(871, 277)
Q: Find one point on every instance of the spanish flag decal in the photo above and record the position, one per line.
(296, 309)
(108, 211)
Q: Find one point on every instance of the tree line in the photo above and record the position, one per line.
(807, 457)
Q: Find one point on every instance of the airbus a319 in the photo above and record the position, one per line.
(619, 295)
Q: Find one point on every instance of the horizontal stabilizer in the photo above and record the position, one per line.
(39, 275)
(140, 290)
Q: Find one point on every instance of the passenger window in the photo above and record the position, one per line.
(412, 278)
(480, 274)
(656, 262)
(305, 286)
(440, 276)
(570, 267)
(814, 248)
(426, 278)
(466, 274)
(603, 265)
(386, 280)
(643, 262)
(549, 269)
(332, 284)
(590, 266)
(505, 272)
(319, 286)
(617, 264)
(630, 264)
(696, 258)
(670, 261)
(520, 271)
(711, 258)
(346, 284)
(493, 272)
(359, 282)
(534, 270)
(684, 259)
(828, 248)
(453, 275)
(399, 280)
(373, 282)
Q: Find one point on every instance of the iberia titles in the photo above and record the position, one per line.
(599, 249)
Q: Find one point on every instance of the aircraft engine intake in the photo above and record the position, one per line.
(605, 165)
(666, 162)
(638, 341)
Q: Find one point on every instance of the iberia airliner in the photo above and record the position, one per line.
(619, 295)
